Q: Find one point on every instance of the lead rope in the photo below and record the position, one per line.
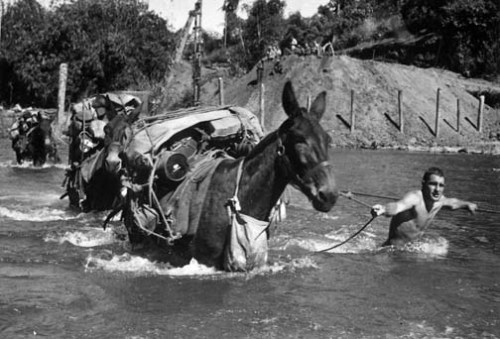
(348, 239)
(349, 196)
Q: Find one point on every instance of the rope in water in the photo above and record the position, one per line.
(348, 194)
(348, 239)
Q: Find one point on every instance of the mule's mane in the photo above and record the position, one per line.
(269, 139)
(263, 144)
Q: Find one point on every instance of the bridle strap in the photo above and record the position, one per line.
(300, 181)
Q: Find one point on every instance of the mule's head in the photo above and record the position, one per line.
(304, 150)
(117, 133)
(40, 139)
(45, 128)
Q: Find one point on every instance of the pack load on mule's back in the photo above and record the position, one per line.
(31, 135)
(201, 183)
(172, 154)
(186, 134)
(86, 133)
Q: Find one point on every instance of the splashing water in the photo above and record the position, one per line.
(141, 266)
(90, 237)
(428, 247)
(36, 215)
(29, 165)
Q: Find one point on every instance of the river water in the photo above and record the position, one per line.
(62, 276)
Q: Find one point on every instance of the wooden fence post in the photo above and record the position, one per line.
(308, 102)
(1, 16)
(221, 91)
(61, 95)
(261, 108)
(458, 115)
(400, 111)
(480, 114)
(352, 111)
(436, 128)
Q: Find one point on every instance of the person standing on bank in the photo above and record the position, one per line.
(413, 214)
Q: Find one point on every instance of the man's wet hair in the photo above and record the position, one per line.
(433, 170)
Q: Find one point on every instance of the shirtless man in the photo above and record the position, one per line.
(415, 211)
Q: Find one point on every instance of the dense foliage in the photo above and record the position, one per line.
(120, 44)
(469, 33)
(108, 45)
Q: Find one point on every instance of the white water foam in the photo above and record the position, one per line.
(29, 165)
(36, 215)
(20, 201)
(430, 247)
(141, 266)
(88, 237)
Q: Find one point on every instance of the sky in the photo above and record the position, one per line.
(176, 11)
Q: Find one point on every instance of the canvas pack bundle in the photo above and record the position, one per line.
(247, 247)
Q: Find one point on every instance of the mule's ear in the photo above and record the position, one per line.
(290, 104)
(318, 106)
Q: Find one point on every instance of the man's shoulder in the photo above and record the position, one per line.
(412, 198)
(415, 194)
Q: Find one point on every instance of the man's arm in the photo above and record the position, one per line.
(408, 201)
(454, 204)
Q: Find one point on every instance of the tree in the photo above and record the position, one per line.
(109, 45)
(468, 31)
(265, 25)
(470, 34)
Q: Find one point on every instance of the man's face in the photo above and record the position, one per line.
(433, 188)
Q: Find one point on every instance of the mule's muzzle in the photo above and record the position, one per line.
(113, 163)
(322, 188)
(325, 199)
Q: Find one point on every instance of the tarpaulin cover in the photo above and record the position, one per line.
(185, 205)
(148, 139)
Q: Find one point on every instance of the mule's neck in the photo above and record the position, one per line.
(262, 181)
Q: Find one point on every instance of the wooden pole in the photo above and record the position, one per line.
(261, 108)
(308, 102)
(436, 128)
(1, 15)
(400, 111)
(352, 111)
(458, 115)
(480, 114)
(221, 91)
(197, 53)
(61, 95)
